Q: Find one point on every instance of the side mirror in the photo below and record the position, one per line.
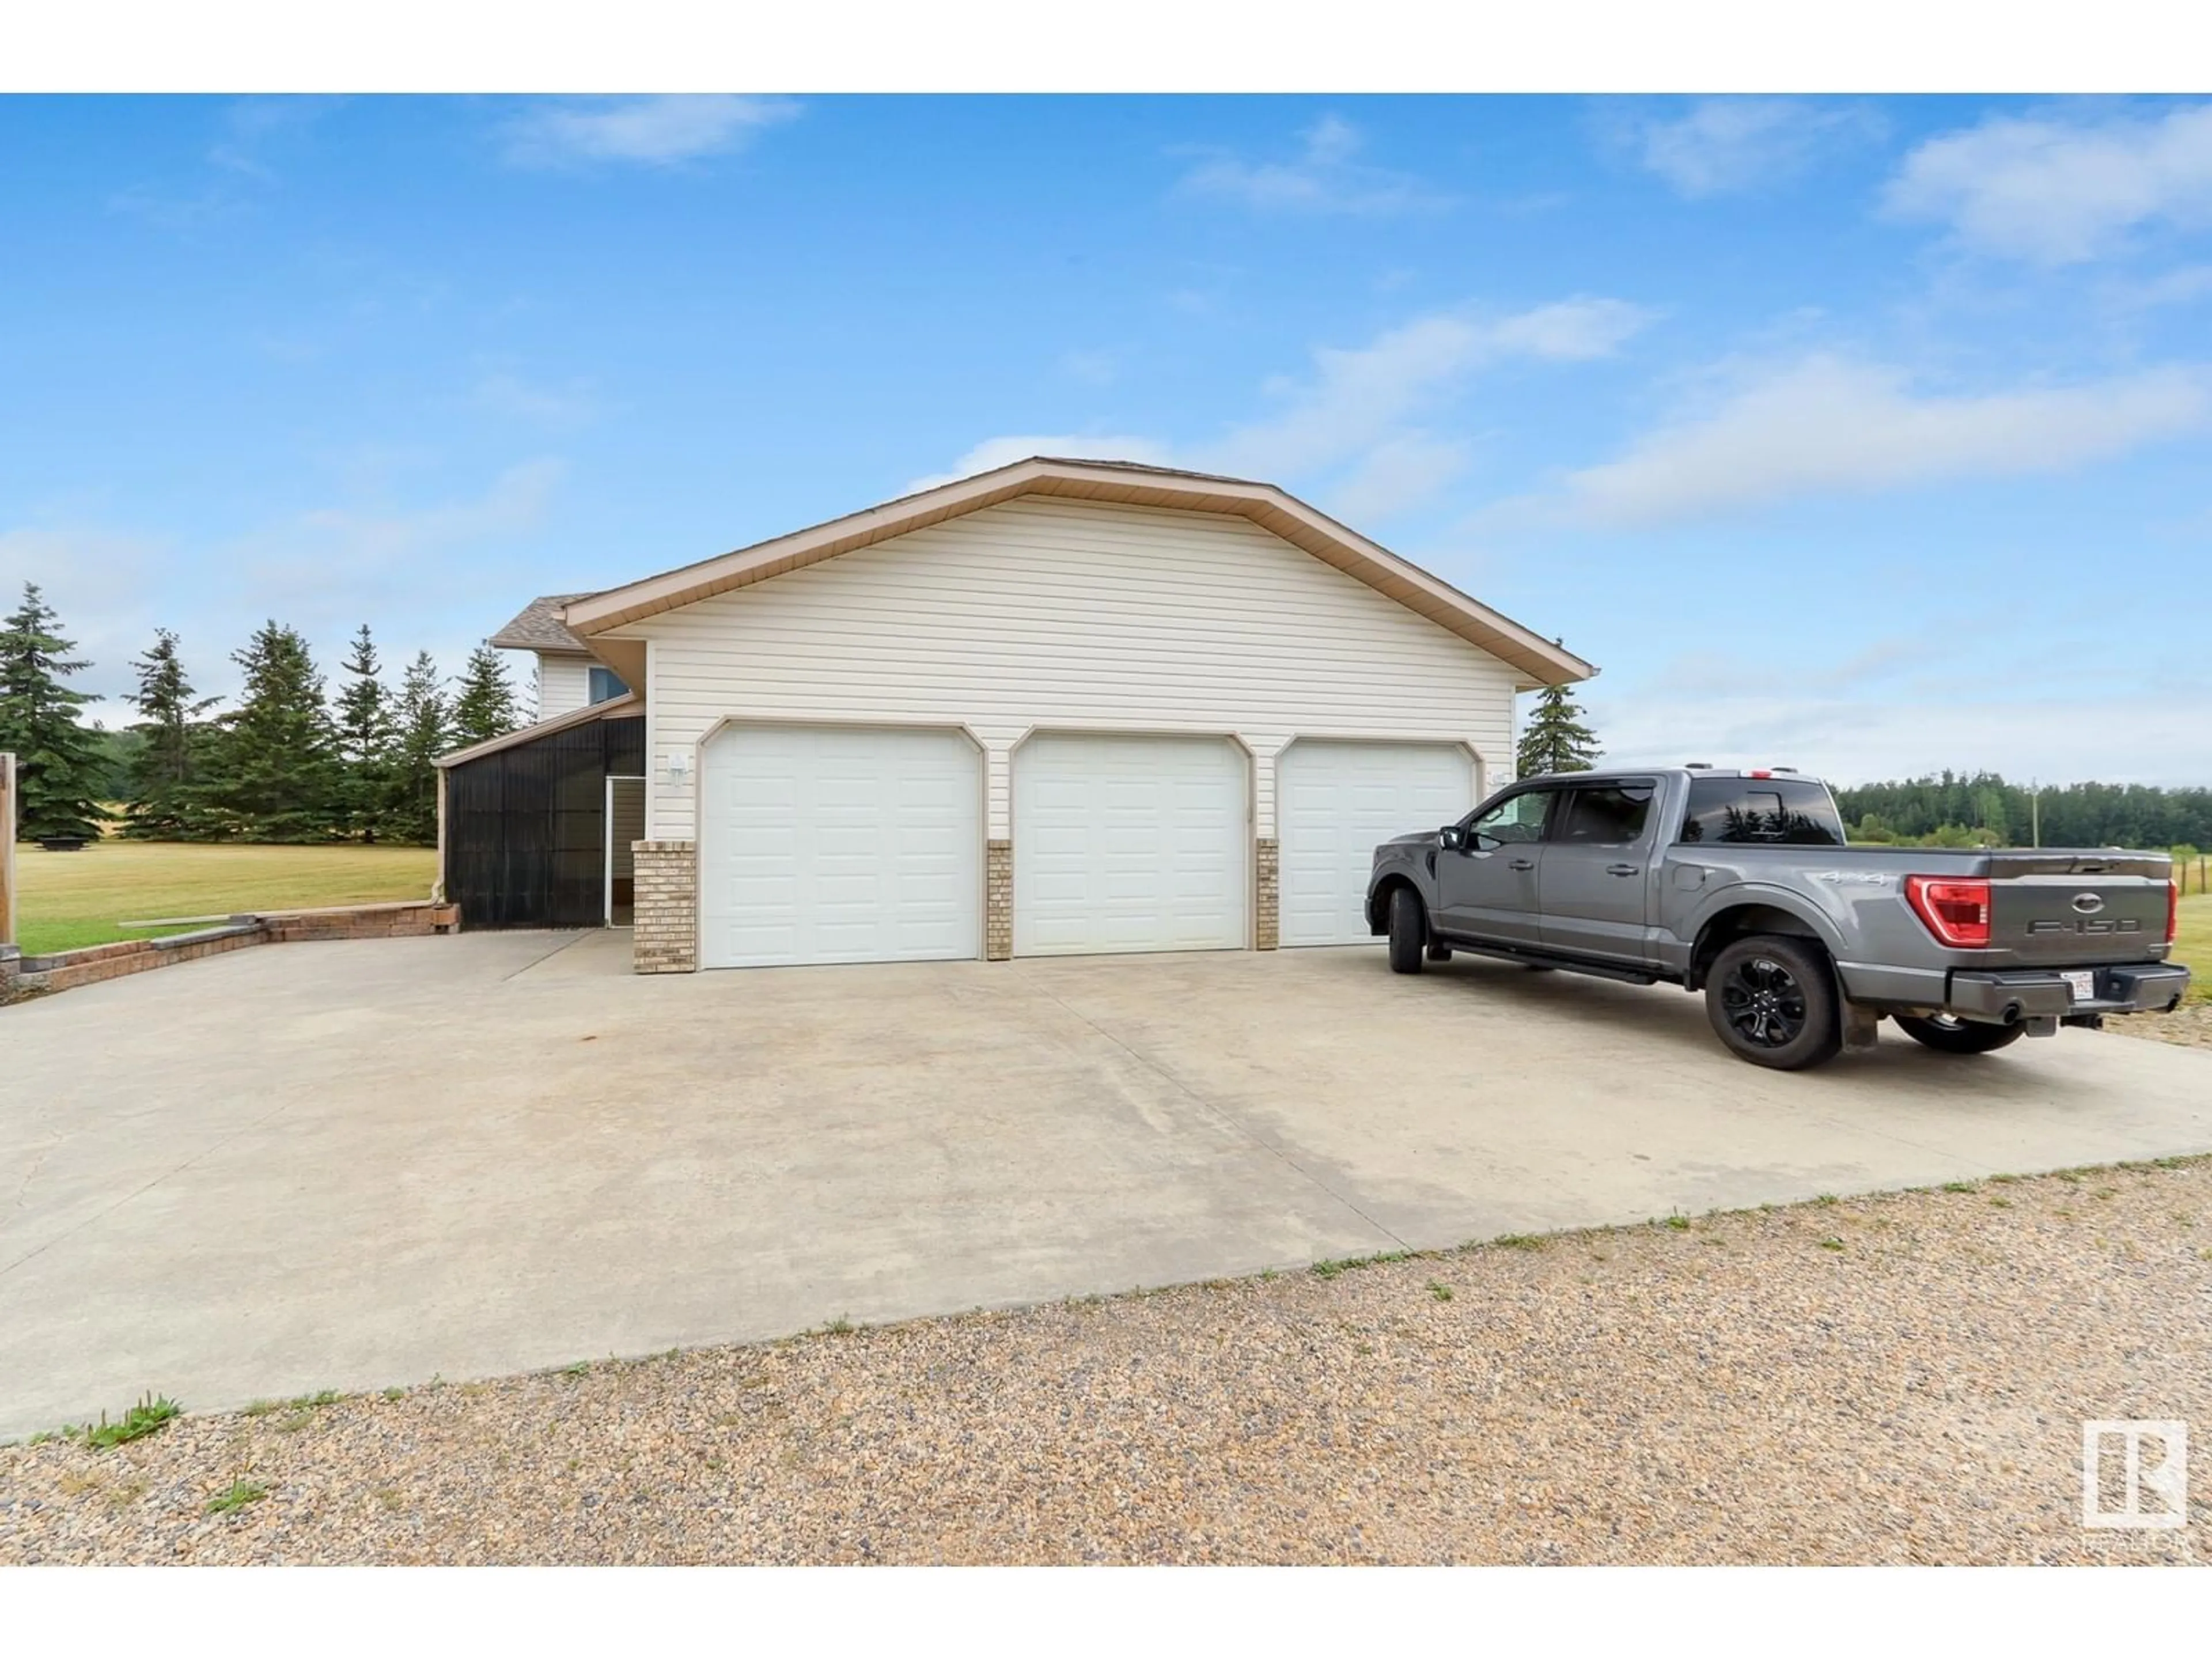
(1452, 838)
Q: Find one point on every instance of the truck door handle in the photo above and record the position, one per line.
(1621, 869)
(1520, 864)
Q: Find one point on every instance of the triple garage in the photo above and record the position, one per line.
(829, 843)
(1060, 707)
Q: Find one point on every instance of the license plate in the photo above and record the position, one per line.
(2084, 987)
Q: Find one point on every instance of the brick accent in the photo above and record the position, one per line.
(1266, 900)
(997, 900)
(66, 969)
(665, 919)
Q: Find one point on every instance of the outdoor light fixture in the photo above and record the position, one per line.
(679, 768)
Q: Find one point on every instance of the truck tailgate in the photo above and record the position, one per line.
(2077, 907)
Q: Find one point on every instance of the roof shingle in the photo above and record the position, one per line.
(539, 628)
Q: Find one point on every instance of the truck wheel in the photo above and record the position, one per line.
(1772, 1000)
(1409, 931)
(1950, 1036)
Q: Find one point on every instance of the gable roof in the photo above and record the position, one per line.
(1273, 510)
(539, 629)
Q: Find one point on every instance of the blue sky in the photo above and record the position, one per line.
(1866, 436)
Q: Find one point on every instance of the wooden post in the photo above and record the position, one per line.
(6, 850)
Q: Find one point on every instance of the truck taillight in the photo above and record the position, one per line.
(1956, 912)
(2172, 911)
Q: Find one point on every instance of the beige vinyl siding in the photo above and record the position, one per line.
(564, 683)
(1050, 612)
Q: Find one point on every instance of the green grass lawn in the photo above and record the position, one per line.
(71, 899)
(2192, 945)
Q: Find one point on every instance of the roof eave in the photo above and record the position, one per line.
(612, 708)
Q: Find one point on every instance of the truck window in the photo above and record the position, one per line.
(1778, 811)
(1605, 813)
(1512, 822)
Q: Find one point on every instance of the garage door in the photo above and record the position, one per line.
(1333, 802)
(819, 844)
(1130, 844)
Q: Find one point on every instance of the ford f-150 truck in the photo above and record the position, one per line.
(1740, 884)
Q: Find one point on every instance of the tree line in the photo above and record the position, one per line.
(286, 762)
(1985, 808)
(1950, 809)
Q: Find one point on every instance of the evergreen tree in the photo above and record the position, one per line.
(410, 812)
(57, 761)
(366, 734)
(115, 754)
(1555, 739)
(276, 774)
(485, 707)
(166, 768)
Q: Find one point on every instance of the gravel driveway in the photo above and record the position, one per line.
(1900, 1378)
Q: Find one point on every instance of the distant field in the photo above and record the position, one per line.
(2192, 945)
(73, 899)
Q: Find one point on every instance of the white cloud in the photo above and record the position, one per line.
(1091, 368)
(515, 501)
(1858, 740)
(659, 131)
(98, 580)
(1358, 412)
(511, 395)
(2181, 285)
(1724, 146)
(1326, 178)
(1359, 398)
(1832, 425)
(1398, 473)
(2060, 191)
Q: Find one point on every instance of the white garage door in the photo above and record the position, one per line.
(1130, 844)
(1333, 802)
(820, 844)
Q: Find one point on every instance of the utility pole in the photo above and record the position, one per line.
(2034, 814)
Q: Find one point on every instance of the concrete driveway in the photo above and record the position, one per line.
(347, 1165)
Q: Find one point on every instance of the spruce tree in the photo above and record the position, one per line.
(410, 812)
(275, 773)
(486, 707)
(166, 769)
(1555, 739)
(57, 759)
(365, 733)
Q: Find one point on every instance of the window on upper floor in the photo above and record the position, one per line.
(606, 684)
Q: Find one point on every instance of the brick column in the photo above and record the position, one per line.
(665, 919)
(997, 900)
(1267, 908)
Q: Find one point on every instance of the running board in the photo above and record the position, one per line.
(1544, 959)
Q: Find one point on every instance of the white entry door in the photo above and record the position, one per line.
(830, 844)
(1130, 843)
(1333, 802)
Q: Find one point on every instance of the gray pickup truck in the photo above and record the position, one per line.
(1740, 884)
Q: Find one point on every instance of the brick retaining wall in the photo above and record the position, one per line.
(64, 970)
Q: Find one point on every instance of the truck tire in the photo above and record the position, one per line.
(1409, 931)
(1949, 1035)
(1772, 1000)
